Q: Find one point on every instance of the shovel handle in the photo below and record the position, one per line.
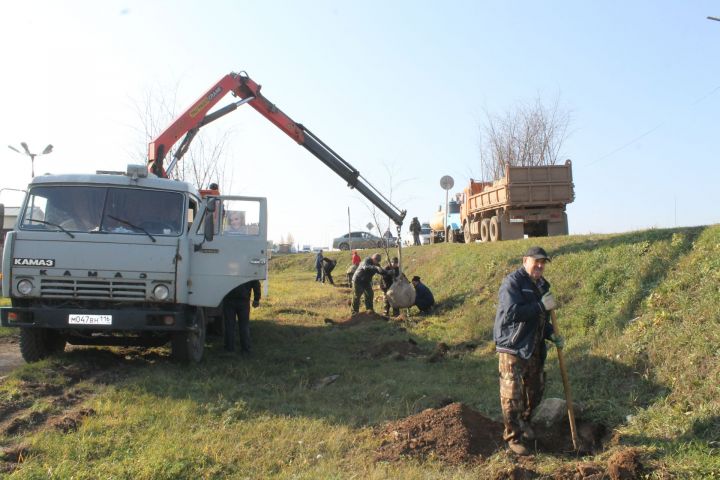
(566, 384)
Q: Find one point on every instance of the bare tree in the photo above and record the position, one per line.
(531, 134)
(204, 161)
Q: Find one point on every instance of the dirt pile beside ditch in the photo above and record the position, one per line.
(455, 434)
(357, 319)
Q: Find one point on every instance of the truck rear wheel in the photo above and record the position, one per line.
(466, 233)
(495, 233)
(39, 343)
(485, 230)
(190, 346)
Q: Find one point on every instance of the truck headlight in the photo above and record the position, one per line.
(161, 292)
(24, 286)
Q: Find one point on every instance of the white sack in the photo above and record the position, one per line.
(401, 293)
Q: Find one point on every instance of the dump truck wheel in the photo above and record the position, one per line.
(484, 230)
(466, 233)
(190, 346)
(451, 235)
(32, 344)
(494, 229)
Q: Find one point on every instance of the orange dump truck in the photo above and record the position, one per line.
(526, 201)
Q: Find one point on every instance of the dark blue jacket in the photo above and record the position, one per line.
(365, 272)
(423, 296)
(520, 315)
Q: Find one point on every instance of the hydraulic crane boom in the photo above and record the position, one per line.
(244, 88)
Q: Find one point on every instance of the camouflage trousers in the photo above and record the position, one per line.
(360, 290)
(522, 384)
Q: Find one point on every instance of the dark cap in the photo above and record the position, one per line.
(415, 279)
(537, 253)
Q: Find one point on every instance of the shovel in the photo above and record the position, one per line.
(566, 385)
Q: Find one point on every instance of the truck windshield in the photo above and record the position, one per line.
(96, 209)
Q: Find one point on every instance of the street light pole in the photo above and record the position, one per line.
(32, 156)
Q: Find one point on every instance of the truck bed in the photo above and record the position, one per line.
(525, 187)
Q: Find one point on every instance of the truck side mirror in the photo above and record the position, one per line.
(209, 225)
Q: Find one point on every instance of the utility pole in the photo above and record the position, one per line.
(32, 156)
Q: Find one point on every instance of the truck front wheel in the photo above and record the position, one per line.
(39, 343)
(190, 346)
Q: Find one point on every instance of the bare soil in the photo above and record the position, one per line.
(455, 434)
(625, 465)
(357, 319)
(10, 357)
(62, 399)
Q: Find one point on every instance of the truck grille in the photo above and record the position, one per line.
(92, 289)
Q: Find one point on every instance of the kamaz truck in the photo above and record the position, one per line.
(135, 258)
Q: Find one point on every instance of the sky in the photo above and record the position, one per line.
(399, 89)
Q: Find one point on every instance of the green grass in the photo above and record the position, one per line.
(639, 311)
(4, 331)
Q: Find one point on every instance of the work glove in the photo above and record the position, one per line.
(256, 303)
(558, 341)
(548, 301)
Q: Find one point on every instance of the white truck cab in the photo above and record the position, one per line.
(126, 258)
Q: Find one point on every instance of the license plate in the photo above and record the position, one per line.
(79, 319)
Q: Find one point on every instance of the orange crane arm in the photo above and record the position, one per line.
(244, 88)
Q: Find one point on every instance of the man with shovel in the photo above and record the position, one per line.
(522, 324)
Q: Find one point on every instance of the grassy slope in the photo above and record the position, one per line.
(639, 311)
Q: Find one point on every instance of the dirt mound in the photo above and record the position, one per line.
(357, 319)
(398, 349)
(71, 422)
(455, 434)
(625, 465)
(517, 472)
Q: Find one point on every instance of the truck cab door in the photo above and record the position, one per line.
(235, 252)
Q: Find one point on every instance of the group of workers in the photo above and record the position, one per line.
(360, 277)
(521, 328)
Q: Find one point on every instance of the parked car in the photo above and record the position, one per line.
(359, 240)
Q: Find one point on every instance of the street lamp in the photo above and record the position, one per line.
(32, 156)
